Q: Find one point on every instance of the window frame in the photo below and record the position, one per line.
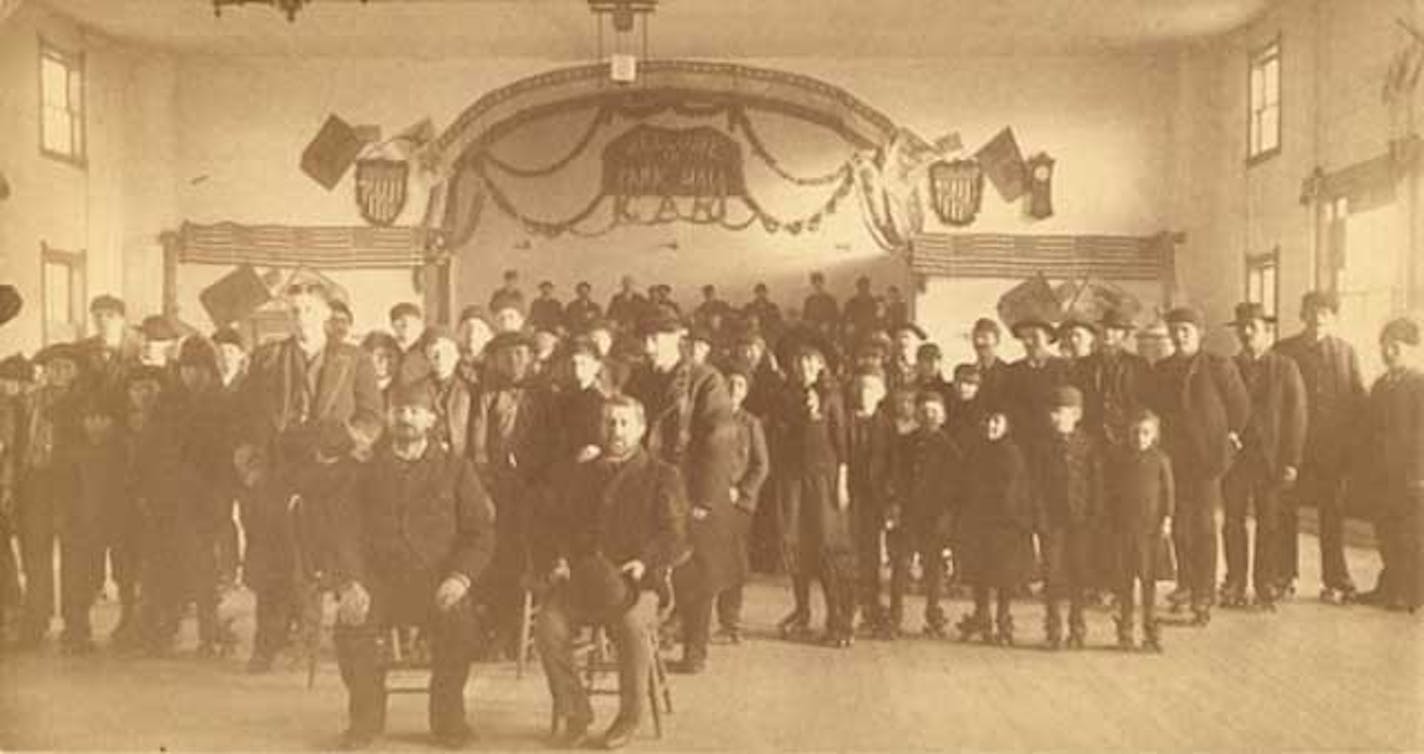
(76, 264)
(1258, 58)
(79, 128)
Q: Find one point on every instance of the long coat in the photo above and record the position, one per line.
(511, 446)
(751, 465)
(1115, 386)
(993, 545)
(812, 435)
(278, 400)
(1201, 401)
(1394, 449)
(1025, 393)
(690, 426)
(1335, 397)
(1278, 425)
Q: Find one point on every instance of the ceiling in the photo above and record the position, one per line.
(565, 30)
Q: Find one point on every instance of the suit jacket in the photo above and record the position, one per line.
(1114, 387)
(1025, 393)
(515, 443)
(690, 425)
(411, 365)
(453, 405)
(1278, 424)
(927, 478)
(579, 313)
(546, 313)
(1201, 400)
(345, 391)
(1335, 396)
(750, 462)
(633, 510)
(424, 519)
(1396, 435)
(104, 370)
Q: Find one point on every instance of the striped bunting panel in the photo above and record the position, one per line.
(987, 255)
(325, 248)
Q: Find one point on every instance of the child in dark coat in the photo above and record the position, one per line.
(1067, 499)
(993, 528)
(926, 477)
(98, 471)
(1140, 499)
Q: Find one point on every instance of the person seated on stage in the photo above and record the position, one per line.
(422, 531)
(583, 310)
(622, 525)
(509, 294)
(545, 311)
(993, 530)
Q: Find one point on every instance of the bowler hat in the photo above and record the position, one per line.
(107, 303)
(1402, 330)
(1067, 395)
(509, 340)
(1117, 319)
(1248, 311)
(417, 393)
(158, 327)
(10, 303)
(1185, 315)
(1034, 323)
(1319, 300)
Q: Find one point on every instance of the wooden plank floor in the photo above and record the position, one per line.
(1309, 677)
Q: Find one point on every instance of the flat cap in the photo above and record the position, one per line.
(107, 303)
(158, 327)
(1117, 319)
(1313, 300)
(56, 351)
(1185, 315)
(662, 320)
(1075, 323)
(229, 336)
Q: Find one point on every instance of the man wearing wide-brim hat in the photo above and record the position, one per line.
(1335, 387)
(1204, 409)
(690, 425)
(1268, 464)
(1026, 393)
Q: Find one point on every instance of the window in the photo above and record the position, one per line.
(1264, 107)
(1262, 286)
(61, 104)
(62, 294)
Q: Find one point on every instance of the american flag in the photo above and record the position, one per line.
(323, 248)
(994, 255)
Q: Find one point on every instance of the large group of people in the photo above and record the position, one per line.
(624, 465)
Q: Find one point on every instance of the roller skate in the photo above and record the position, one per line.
(1077, 637)
(974, 624)
(1004, 633)
(1201, 616)
(1125, 641)
(1232, 596)
(795, 627)
(1152, 640)
(1179, 598)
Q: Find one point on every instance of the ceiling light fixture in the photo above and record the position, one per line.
(623, 17)
(288, 7)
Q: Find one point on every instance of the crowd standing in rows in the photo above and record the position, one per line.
(614, 460)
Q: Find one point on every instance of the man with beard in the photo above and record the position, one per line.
(511, 444)
(620, 525)
(690, 425)
(293, 385)
(425, 535)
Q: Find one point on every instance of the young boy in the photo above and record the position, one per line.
(1140, 499)
(926, 478)
(993, 546)
(98, 471)
(750, 468)
(966, 405)
(871, 434)
(1067, 496)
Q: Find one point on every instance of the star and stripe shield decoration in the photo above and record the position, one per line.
(381, 190)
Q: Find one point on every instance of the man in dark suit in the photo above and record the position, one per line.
(419, 533)
(622, 523)
(582, 311)
(408, 324)
(690, 425)
(1394, 452)
(1204, 408)
(764, 311)
(820, 309)
(453, 401)
(1269, 461)
(293, 385)
(985, 336)
(545, 311)
(1026, 390)
(864, 312)
(1335, 395)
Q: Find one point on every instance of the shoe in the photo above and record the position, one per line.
(1332, 596)
(794, 626)
(1232, 596)
(1286, 589)
(261, 663)
(1075, 640)
(1372, 597)
(838, 640)
(687, 666)
(1201, 616)
(353, 740)
(619, 734)
(574, 735)
(1152, 644)
(454, 740)
(973, 624)
(1126, 643)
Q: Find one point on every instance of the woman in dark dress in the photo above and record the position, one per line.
(813, 501)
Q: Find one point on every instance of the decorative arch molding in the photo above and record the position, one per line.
(884, 165)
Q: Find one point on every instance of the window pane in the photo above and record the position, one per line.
(57, 134)
(1270, 128)
(57, 303)
(54, 82)
(1257, 89)
(1272, 76)
(1253, 284)
(1253, 140)
(1268, 289)
(76, 91)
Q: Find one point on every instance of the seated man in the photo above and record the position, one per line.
(625, 510)
(424, 532)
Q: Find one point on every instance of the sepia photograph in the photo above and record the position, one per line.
(712, 375)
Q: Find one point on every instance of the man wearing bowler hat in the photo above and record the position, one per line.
(690, 425)
(1335, 397)
(1269, 461)
(292, 386)
(425, 535)
(1204, 409)
(620, 524)
(1028, 384)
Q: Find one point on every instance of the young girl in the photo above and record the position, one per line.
(1140, 502)
(994, 548)
(814, 498)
